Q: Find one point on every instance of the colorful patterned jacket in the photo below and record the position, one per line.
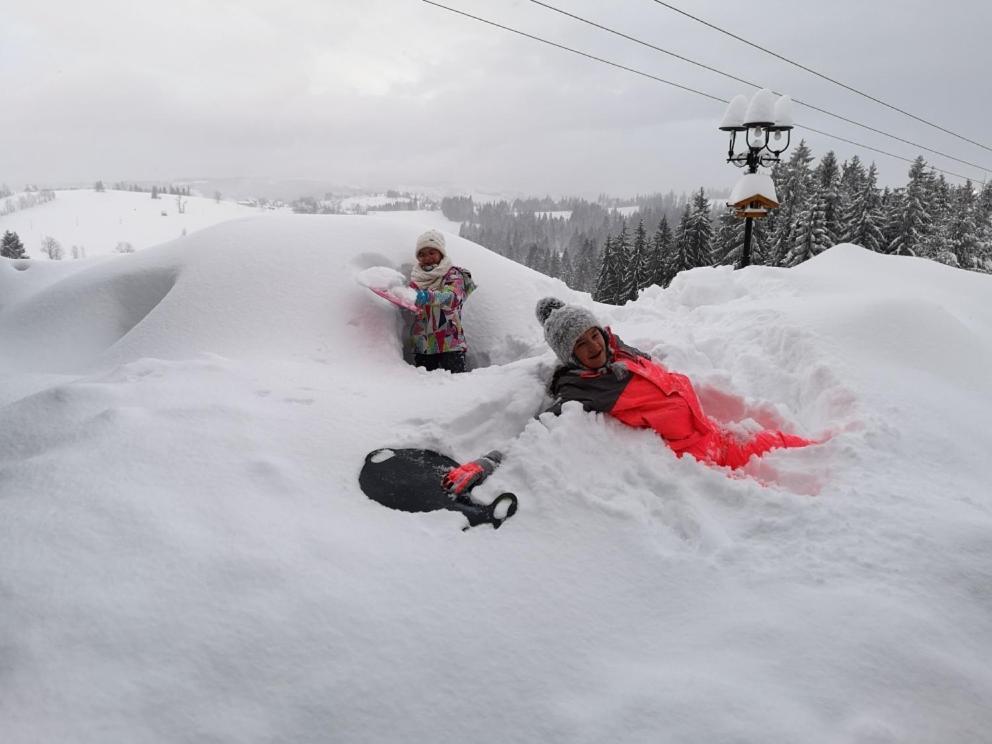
(437, 328)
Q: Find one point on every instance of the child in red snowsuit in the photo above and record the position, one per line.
(604, 374)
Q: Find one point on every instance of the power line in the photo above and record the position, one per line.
(756, 85)
(576, 51)
(669, 82)
(821, 75)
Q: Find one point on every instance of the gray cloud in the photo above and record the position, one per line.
(386, 92)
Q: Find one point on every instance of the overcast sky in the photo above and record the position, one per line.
(393, 93)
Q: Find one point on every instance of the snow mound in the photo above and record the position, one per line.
(185, 553)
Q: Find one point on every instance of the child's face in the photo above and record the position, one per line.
(429, 257)
(590, 349)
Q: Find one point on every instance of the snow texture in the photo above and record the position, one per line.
(753, 184)
(761, 109)
(734, 115)
(98, 221)
(185, 554)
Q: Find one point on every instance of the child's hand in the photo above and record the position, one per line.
(466, 477)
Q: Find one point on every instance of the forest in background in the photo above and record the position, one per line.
(615, 252)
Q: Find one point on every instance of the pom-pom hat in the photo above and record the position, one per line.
(563, 324)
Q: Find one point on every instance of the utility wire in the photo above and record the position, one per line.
(669, 82)
(755, 85)
(576, 51)
(821, 75)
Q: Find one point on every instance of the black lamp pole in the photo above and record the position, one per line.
(761, 150)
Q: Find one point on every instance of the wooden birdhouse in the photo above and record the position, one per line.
(753, 195)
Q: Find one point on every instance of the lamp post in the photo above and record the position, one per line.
(766, 121)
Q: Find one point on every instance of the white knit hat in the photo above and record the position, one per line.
(431, 239)
(563, 324)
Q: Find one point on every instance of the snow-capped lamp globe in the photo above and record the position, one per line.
(766, 121)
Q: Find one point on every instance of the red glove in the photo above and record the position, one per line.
(466, 477)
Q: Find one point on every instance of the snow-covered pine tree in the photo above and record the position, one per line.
(911, 222)
(662, 250)
(729, 240)
(863, 215)
(826, 176)
(566, 271)
(700, 233)
(626, 265)
(681, 256)
(642, 249)
(608, 284)
(793, 184)
(11, 246)
(634, 257)
(586, 266)
(852, 179)
(938, 236)
(810, 232)
(962, 228)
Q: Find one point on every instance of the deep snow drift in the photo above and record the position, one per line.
(185, 554)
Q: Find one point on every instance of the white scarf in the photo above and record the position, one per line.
(432, 279)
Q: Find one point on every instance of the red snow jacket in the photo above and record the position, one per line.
(642, 393)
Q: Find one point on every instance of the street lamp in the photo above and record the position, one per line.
(766, 123)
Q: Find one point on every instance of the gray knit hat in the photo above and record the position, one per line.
(563, 324)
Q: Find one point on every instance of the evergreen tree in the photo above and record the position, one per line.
(964, 235)
(826, 178)
(681, 256)
(912, 222)
(608, 284)
(661, 254)
(811, 233)
(728, 244)
(699, 235)
(634, 267)
(642, 252)
(586, 266)
(626, 270)
(863, 215)
(566, 271)
(11, 246)
(793, 184)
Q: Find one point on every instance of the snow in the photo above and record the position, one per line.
(627, 211)
(753, 184)
(98, 221)
(783, 111)
(560, 214)
(185, 554)
(761, 109)
(424, 219)
(734, 115)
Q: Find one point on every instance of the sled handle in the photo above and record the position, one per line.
(510, 510)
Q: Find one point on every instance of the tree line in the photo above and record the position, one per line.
(613, 255)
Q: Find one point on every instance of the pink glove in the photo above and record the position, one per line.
(466, 477)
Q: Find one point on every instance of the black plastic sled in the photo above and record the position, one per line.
(410, 480)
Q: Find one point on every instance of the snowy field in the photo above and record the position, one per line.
(185, 554)
(99, 221)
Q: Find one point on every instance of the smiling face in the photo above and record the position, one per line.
(590, 349)
(429, 257)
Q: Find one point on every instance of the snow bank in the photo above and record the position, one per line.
(185, 553)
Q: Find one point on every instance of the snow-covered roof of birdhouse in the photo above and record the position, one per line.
(751, 185)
